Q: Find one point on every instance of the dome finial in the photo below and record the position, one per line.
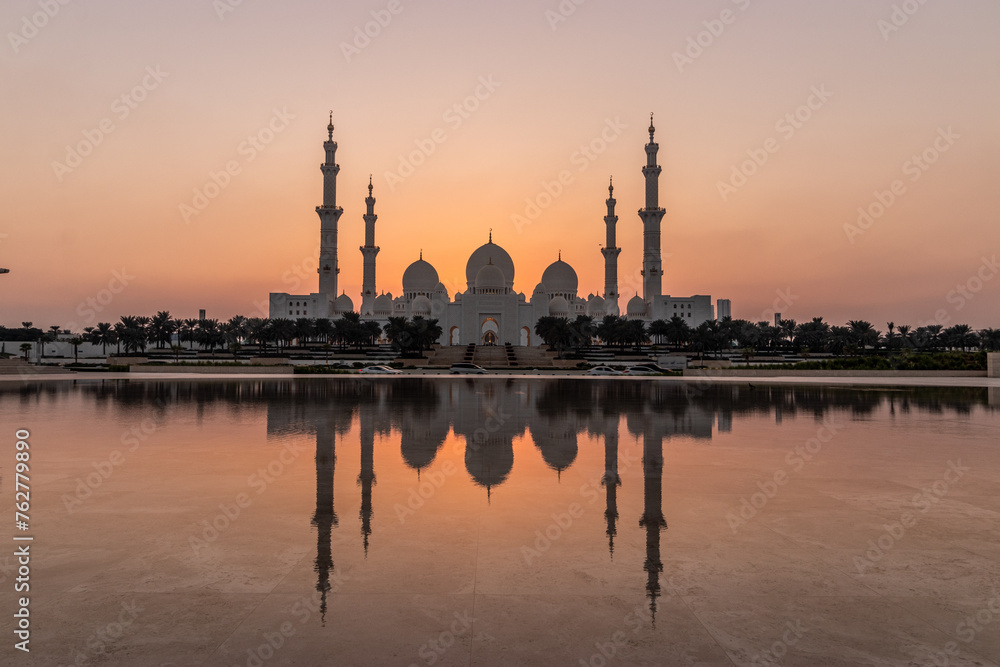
(329, 128)
(611, 187)
(370, 186)
(491, 235)
(421, 253)
(652, 129)
(560, 255)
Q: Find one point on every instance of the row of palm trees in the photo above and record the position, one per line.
(815, 336)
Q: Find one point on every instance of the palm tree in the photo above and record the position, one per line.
(103, 335)
(658, 330)
(76, 342)
(864, 334)
(989, 340)
(25, 348)
(162, 328)
(678, 331)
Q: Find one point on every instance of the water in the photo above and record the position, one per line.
(481, 521)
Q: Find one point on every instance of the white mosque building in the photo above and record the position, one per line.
(490, 311)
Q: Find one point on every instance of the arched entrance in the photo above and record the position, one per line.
(525, 337)
(490, 332)
(454, 337)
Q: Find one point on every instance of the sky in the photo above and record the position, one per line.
(833, 159)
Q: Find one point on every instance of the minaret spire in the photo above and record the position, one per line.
(368, 251)
(329, 216)
(611, 252)
(652, 216)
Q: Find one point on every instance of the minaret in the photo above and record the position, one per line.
(369, 251)
(652, 215)
(329, 216)
(611, 252)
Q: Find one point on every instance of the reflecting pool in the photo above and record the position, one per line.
(493, 521)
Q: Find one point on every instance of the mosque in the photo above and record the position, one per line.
(490, 311)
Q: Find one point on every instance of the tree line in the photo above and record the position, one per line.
(727, 334)
(135, 334)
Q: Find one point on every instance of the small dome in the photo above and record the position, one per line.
(441, 289)
(383, 303)
(490, 277)
(343, 304)
(421, 306)
(420, 277)
(596, 305)
(559, 307)
(636, 306)
(560, 278)
(539, 289)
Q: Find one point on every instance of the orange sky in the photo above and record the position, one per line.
(197, 85)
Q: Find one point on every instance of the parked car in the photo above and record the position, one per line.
(604, 370)
(650, 369)
(379, 370)
(472, 369)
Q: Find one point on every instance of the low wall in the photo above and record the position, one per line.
(751, 373)
(217, 370)
(993, 364)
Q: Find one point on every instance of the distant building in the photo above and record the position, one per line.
(490, 311)
(724, 309)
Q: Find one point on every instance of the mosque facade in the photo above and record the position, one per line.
(490, 311)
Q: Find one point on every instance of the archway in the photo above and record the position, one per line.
(525, 337)
(454, 338)
(490, 332)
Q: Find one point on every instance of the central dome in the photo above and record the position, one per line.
(486, 254)
(490, 277)
(420, 277)
(560, 278)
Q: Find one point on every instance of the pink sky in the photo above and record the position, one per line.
(197, 85)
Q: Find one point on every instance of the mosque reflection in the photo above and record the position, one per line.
(487, 415)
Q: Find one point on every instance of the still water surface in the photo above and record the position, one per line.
(493, 521)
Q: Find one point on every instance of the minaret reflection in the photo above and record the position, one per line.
(366, 478)
(652, 515)
(611, 482)
(325, 517)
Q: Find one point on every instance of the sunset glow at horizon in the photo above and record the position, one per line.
(833, 160)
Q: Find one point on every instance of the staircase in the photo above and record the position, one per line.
(490, 356)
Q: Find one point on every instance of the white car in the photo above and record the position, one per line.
(379, 370)
(642, 370)
(467, 368)
(604, 370)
